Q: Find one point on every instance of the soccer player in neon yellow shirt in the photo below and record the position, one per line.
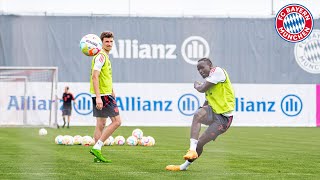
(103, 97)
(217, 111)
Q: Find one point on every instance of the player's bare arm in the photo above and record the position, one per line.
(74, 101)
(95, 80)
(202, 87)
(113, 94)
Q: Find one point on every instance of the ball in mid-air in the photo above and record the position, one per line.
(90, 45)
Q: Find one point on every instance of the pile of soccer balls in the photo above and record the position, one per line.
(76, 140)
(135, 139)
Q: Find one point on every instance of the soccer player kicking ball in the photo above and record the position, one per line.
(216, 111)
(103, 97)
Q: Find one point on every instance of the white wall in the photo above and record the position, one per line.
(240, 8)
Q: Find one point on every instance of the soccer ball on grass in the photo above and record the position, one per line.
(43, 132)
(119, 140)
(132, 141)
(138, 133)
(109, 141)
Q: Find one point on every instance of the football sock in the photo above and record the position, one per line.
(98, 145)
(185, 165)
(193, 144)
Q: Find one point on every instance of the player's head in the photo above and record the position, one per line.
(66, 89)
(107, 40)
(204, 66)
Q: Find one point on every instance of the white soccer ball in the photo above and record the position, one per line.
(67, 140)
(152, 141)
(138, 133)
(144, 141)
(132, 141)
(43, 132)
(109, 141)
(119, 140)
(58, 139)
(92, 141)
(77, 139)
(90, 45)
(86, 140)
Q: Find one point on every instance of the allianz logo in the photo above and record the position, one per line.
(84, 104)
(192, 49)
(290, 105)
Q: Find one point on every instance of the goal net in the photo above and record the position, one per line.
(28, 96)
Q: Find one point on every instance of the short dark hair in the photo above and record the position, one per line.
(106, 34)
(207, 60)
(67, 87)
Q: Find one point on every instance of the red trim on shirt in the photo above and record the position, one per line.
(212, 70)
(101, 59)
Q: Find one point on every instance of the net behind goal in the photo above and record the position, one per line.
(28, 96)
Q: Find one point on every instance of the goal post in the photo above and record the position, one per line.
(19, 79)
(28, 96)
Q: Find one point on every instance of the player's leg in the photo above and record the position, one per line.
(96, 150)
(100, 124)
(113, 113)
(64, 113)
(110, 109)
(115, 123)
(218, 127)
(218, 124)
(64, 121)
(69, 116)
(204, 139)
(68, 122)
(101, 117)
(200, 117)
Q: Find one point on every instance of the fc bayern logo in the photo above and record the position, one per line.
(307, 53)
(294, 23)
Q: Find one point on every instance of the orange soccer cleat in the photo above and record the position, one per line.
(191, 155)
(173, 168)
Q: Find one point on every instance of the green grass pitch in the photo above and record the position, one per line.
(240, 153)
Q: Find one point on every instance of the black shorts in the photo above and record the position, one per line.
(218, 123)
(66, 111)
(110, 108)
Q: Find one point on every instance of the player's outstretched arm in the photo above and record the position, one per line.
(202, 87)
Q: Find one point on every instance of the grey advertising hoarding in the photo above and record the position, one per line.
(157, 50)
